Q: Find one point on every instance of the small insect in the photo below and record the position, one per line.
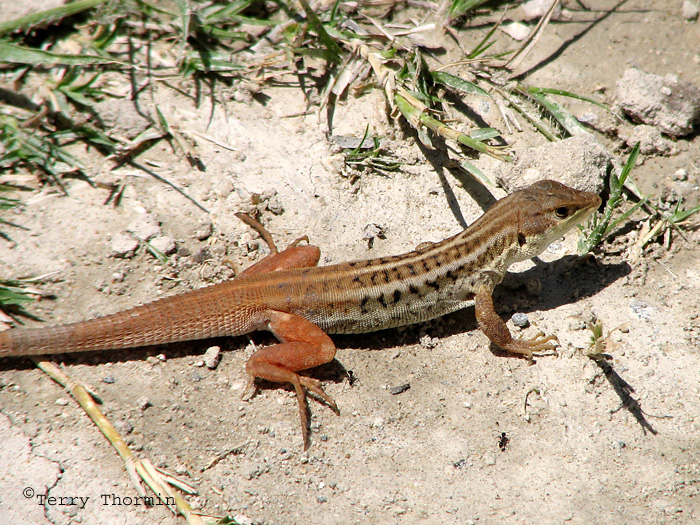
(351, 377)
(503, 441)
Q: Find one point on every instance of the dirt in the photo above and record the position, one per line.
(479, 436)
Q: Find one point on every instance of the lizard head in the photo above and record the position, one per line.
(547, 210)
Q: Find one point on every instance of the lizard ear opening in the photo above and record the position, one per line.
(522, 240)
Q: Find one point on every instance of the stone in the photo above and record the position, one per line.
(666, 102)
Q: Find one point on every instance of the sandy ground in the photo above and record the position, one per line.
(586, 442)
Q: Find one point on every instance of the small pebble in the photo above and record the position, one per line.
(164, 245)
(588, 118)
(204, 231)
(399, 389)
(202, 255)
(690, 10)
(516, 30)
(619, 445)
(429, 342)
(144, 403)
(681, 174)
(123, 426)
(373, 231)
(144, 227)
(275, 205)
(212, 357)
(533, 9)
(577, 323)
(520, 320)
(242, 519)
(123, 245)
(62, 401)
(460, 463)
(108, 379)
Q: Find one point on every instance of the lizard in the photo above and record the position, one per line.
(301, 303)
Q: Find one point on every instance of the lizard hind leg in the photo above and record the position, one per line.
(302, 345)
(294, 256)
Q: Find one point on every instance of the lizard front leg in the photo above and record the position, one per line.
(302, 345)
(496, 330)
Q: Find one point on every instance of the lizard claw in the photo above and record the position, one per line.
(539, 343)
(314, 385)
(250, 390)
(296, 242)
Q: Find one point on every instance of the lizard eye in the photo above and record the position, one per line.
(562, 212)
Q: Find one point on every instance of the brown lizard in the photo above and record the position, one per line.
(300, 303)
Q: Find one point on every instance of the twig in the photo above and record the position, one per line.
(137, 469)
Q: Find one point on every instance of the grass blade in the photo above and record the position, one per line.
(477, 174)
(13, 54)
(519, 104)
(417, 117)
(457, 83)
(48, 16)
(12, 294)
(460, 7)
(483, 134)
(328, 42)
(484, 44)
(565, 119)
(560, 92)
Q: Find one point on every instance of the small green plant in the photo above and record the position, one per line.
(461, 7)
(363, 157)
(664, 222)
(23, 147)
(12, 293)
(8, 203)
(603, 226)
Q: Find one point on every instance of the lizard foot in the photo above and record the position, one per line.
(301, 384)
(539, 343)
